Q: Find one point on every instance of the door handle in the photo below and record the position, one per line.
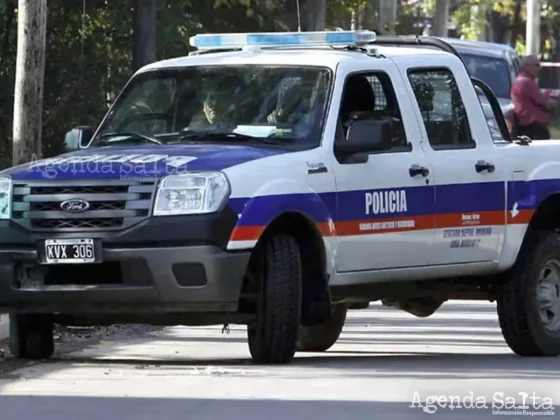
(415, 170)
(482, 166)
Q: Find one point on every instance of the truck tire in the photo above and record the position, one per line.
(321, 337)
(31, 336)
(273, 336)
(529, 305)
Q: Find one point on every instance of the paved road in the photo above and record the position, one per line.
(384, 361)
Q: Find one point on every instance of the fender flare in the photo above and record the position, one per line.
(272, 201)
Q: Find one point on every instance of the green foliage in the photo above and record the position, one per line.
(500, 17)
(89, 54)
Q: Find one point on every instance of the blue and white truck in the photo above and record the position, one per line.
(273, 179)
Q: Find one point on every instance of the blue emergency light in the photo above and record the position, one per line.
(281, 39)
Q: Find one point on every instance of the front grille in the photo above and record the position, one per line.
(114, 205)
(113, 222)
(96, 205)
(82, 189)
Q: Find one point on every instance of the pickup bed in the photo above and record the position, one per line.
(275, 185)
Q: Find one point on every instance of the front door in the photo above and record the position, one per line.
(384, 202)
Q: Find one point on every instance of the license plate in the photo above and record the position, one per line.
(69, 251)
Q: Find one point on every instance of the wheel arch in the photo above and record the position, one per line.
(546, 217)
(314, 258)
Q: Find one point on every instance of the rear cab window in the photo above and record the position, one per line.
(443, 111)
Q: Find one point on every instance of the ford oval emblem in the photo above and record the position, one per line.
(75, 205)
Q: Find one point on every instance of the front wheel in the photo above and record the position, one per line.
(273, 336)
(529, 305)
(321, 337)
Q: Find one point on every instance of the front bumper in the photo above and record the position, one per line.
(179, 279)
(162, 265)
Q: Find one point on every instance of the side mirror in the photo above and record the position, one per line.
(78, 138)
(366, 136)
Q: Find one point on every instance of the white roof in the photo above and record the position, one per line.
(319, 56)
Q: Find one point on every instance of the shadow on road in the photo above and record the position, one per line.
(376, 343)
(355, 364)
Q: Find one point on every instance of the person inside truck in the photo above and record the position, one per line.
(218, 106)
(532, 108)
(290, 105)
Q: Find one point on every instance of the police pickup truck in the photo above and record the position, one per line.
(272, 180)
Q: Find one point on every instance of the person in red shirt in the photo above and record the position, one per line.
(532, 108)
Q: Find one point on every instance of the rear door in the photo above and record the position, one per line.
(468, 175)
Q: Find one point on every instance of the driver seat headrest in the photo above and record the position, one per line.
(358, 95)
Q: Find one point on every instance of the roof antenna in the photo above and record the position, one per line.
(298, 17)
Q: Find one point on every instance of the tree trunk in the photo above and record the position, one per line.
(441, 17)
(368, 19)
(533, 29)
(387, 13)
(316, 15)
(30, 73)
(516, 23)
(144, 43)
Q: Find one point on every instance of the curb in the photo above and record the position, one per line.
(4, 327)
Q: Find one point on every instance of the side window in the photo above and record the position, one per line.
(491, 119)
(443, 110)
(371, 96)
(500, 123)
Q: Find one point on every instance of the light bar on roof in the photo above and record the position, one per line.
(279, 39)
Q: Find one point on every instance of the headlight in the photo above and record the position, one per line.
(194, 193)
(5, 198)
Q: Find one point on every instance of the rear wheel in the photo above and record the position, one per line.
(321, 337)
(31, 336)
(529, 306)
(273, 336)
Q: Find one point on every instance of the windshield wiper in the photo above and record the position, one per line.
(194, 136)
(127, 136)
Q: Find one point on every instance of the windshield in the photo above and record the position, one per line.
(492, 71)
(282, 103)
